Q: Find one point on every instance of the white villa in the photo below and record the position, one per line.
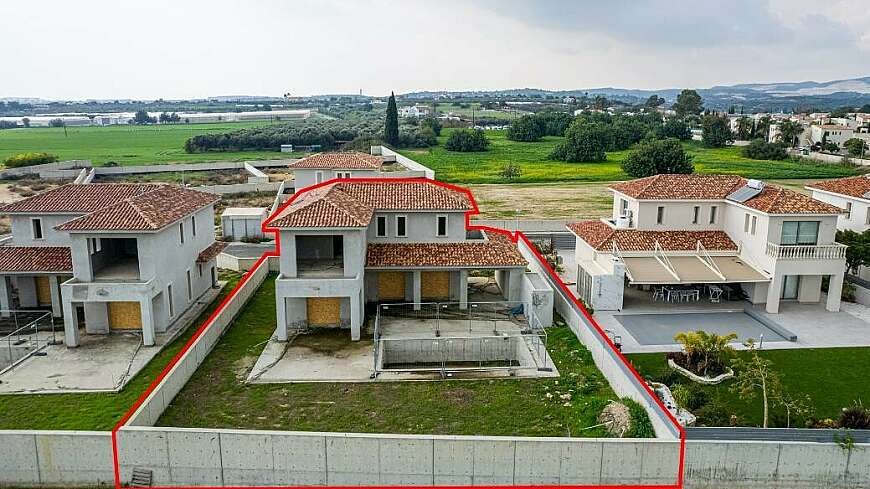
(772, 243)
(110, 257)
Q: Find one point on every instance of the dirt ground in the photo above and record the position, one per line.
(563, 200)
(543, 201)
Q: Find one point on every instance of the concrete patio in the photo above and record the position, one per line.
(811, 323)
(101, 363)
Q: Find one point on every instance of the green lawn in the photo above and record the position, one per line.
(94, 411)
(125, 144)
(834, 378)
(217, 397)
(474, 109)
(484, 167)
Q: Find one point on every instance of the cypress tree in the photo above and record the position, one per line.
(391, 125)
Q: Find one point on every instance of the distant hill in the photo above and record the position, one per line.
(753, 97)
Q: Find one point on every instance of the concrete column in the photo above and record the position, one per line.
(96, 318)
(56, 306)
(774, 292)
(515, 285)
(355, 316)
(70, 325)
(463, 289)
(287, 255)
(27, 291)
(835, 289)
(5, 296)
(281, 308)
(416, 285)
(147, 322)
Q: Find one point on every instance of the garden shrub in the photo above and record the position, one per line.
(758, 149)
(467, 140)
(704, 354)
(658, 156)
(29, 159)
(855, 417)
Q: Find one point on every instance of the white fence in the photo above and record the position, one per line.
(154, 405)
(614, 369)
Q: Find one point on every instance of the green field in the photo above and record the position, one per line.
(126, 144)
(217, 396)
(834, 378)
(474, 109)
(484, 167)
(95, 411)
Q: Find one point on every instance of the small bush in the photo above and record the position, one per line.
(641, 426)
(855, 417)
(511, 171)
(758, 149)
(29, 159)
(467, 140)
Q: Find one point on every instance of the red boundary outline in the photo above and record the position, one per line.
(514, 237)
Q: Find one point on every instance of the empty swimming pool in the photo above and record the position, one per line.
(659, 329)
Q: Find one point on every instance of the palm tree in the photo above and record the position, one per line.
(702, 348)
(789, 132)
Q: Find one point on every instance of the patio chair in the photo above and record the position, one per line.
(715, 294)
(658, 293)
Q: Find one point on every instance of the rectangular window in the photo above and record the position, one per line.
(790, 286)
(169, 301)
(696, 214)
(623, 207)
(193, 224)
(342, 174)
(199, 269)
(442, 227)
(181, 232)
(868, 217)
(189, 286)
(401, 224)
(754, 222)
(746, 223)
(800, 233)
(318, 177)
(848, 210)
(381, 230)
(660, 215)
(36, 226)
(713, 211)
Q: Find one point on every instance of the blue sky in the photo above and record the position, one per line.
(189, 48)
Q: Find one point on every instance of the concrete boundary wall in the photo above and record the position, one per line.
(73, 166)
(773, 464)
(617, 373)
(526, 225)
(153, 406)
(56, 458)
(407, 162)
(183, 456)
(237, 188)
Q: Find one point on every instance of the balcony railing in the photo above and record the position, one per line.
(834, 251)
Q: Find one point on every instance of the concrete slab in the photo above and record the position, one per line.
(660, 329)
(811, 323)
(101, 363)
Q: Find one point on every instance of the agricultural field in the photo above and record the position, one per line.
(473, 108)
(218, 397)
(126, 144)
(484, 167)
(833, 378)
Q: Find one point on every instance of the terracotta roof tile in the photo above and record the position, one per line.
(340, 160)
(212, 251)
(352, 203)
(601, 236)
(497, 251)
(777, 200)
(772, 200)
(49, 259)
(852, 186)
(77, 199)
(680, 187)
(152, 210)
